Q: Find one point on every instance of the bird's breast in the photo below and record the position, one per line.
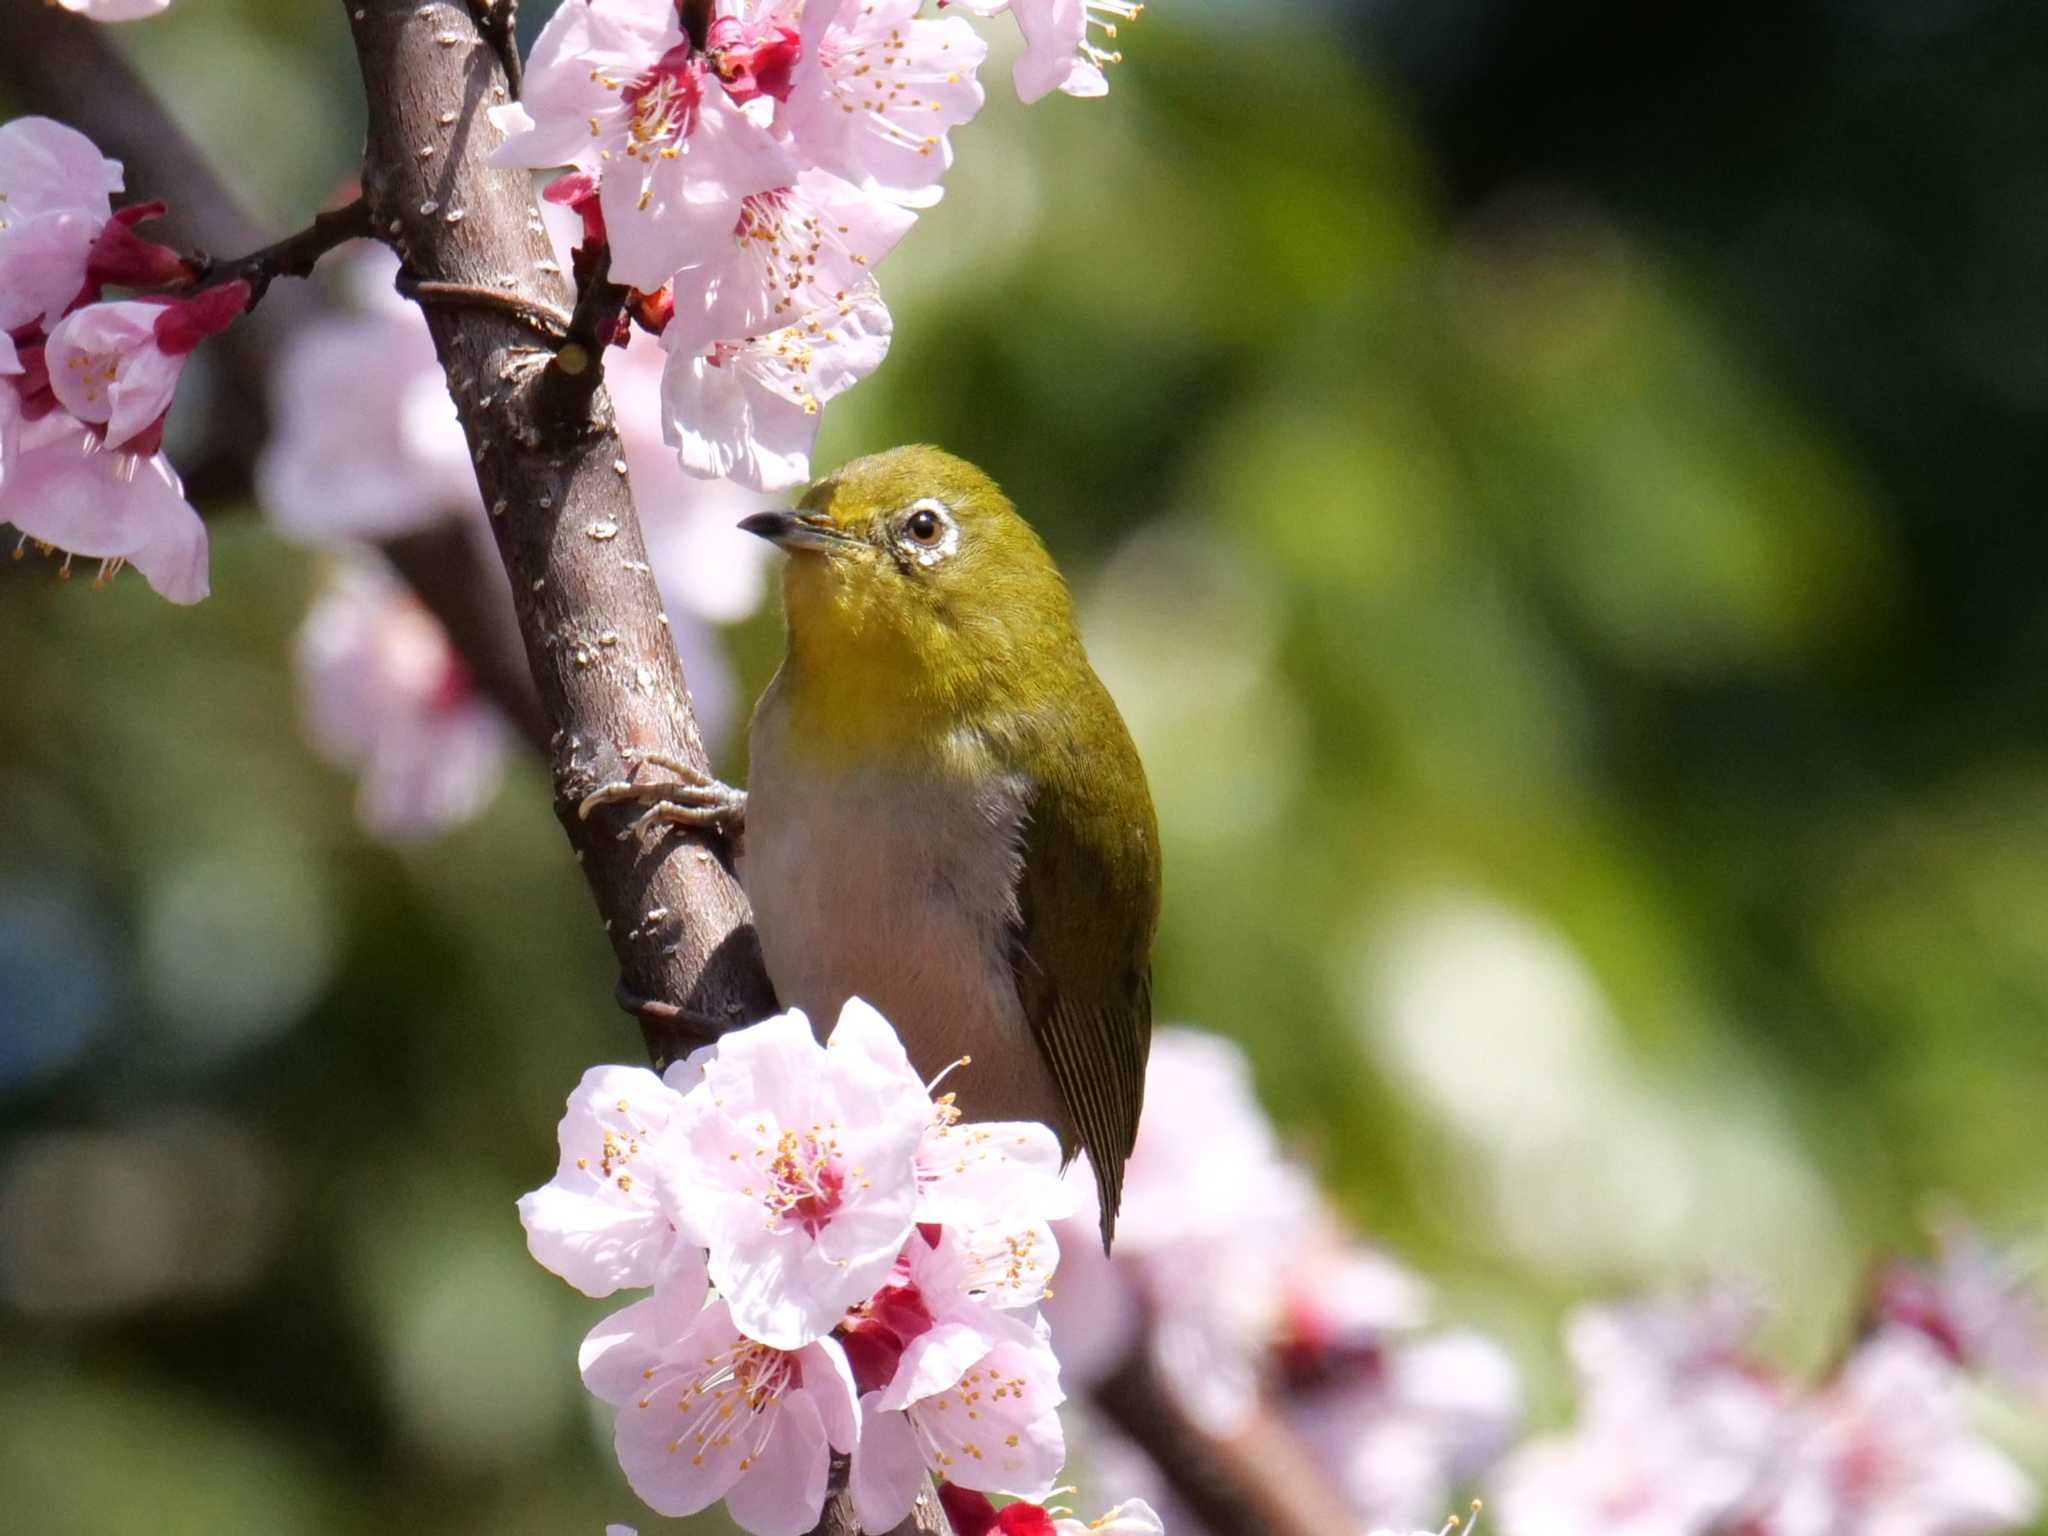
(899, 886)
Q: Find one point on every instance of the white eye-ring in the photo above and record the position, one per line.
(926, 531)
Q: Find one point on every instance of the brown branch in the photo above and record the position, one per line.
(611, 687)
(1261, 1481)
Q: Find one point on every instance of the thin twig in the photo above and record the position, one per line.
(578, 367)
(294, 256)
(498, 21)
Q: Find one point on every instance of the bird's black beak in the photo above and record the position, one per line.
(797, 531)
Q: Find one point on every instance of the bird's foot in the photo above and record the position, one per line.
(686, 799)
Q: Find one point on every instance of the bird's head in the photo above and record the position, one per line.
(912, 576)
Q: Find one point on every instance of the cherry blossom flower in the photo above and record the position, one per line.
(384, 694)
(56, 194)
(614, 86)
(708, 1413)
(116, 366)
(996, 1427)
(1980, 1307)
(1676, 1426)
(1059, 54)
(1886, 1449)
(1213, 1218)
(800, 1161)
(115, 10)
(971, 1514)
(878, 91)
(1398, 1430)
(945, 1307)
(365, 442)
(61, 490)
(794, 251)
(981, 1179)
(748, 411)
(607, 1219)
(707, 569)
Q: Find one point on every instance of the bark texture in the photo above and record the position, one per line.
(611, 688)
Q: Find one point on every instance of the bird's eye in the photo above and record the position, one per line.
(926, 532)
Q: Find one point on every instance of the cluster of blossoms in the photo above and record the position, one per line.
(1683, 1431)
(749, 176)
(85, 385)
(1232, 1272)
(836, 1262)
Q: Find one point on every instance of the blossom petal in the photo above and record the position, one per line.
(888, 1468)
(604, 1220)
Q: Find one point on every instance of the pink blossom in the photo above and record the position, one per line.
(1213, 1220)
(1676, 1426)
(1399, 1431)
(996, 1427)
(794, 251)
(707, 569)
(117, 365)
(971, 1514)
(1886, 1449)
(56, 194)
(365, 443)
(749, 411)
(754, 55)
(1059, 54)
(707, 1413)
(614, 87)
(607, 1218)
(62, 490)
(384, 694)
(878, 91)
(980, 1179)
(1979, 1306)
(798, 1166)
(946, 1306)
(115, 10)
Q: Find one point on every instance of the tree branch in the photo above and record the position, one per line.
(611, 687)
(1260, 1481)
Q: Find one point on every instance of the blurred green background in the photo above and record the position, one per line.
(1552, 487)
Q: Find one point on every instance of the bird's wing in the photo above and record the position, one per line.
(1088, 901)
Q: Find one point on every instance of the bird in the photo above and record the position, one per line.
(945, 813)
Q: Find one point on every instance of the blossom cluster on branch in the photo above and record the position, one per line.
(85, 383)
(748, 165)
(1684, 1428)
(837, 1262)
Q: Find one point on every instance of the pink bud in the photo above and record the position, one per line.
(753, 58)
(577, 190)
(121, 258)
(187, 322)
(970, 1513)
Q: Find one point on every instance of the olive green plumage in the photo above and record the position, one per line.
(1000, 897)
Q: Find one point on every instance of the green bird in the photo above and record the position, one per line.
(946, 815)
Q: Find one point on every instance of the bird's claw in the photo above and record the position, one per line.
(687, 799)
